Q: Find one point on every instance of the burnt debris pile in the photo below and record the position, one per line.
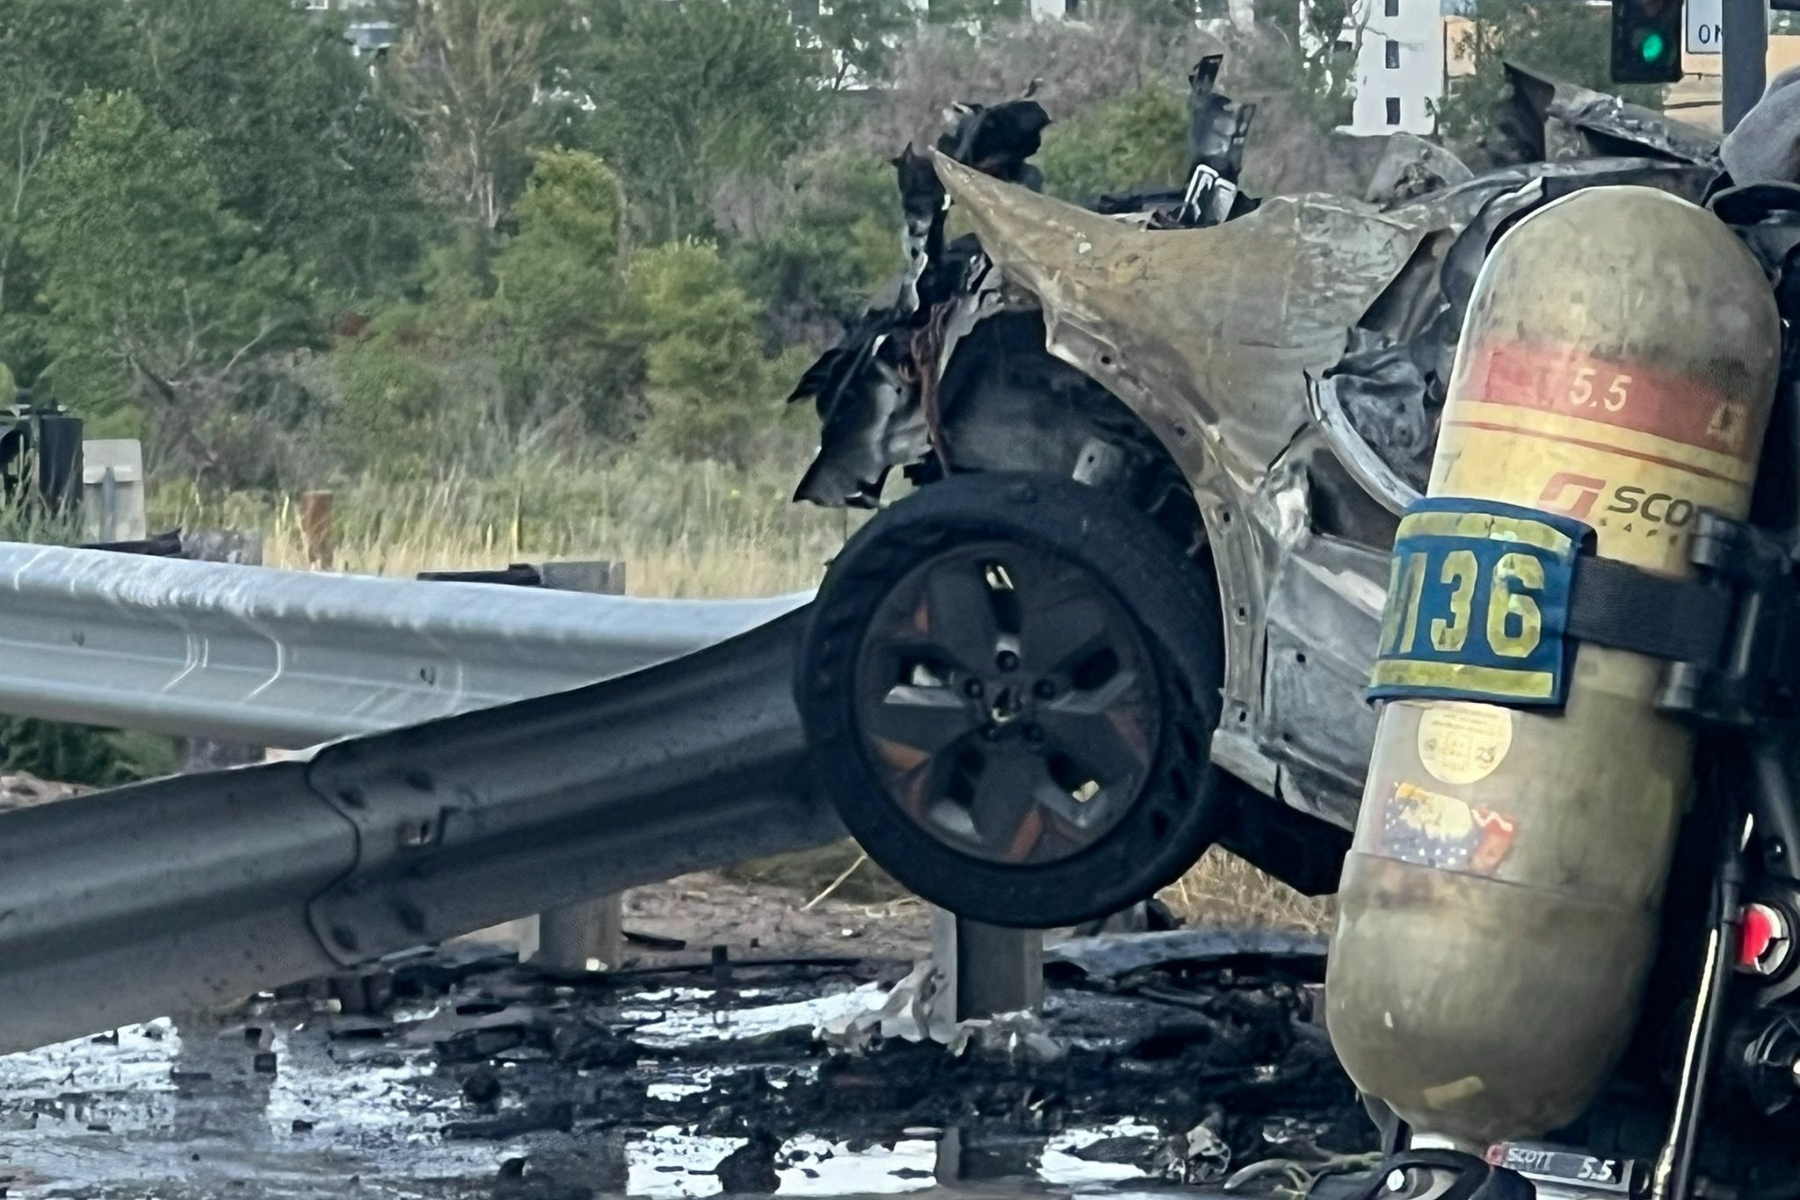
(1187, 1056)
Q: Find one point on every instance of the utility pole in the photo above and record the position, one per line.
(1744, 51)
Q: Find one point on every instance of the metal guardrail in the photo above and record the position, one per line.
(292, 659)
(200, 889)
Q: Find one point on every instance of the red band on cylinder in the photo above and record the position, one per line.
(1571, 382)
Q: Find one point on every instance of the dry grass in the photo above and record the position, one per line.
(1221, 891)
(702, 531)
(1224, 890)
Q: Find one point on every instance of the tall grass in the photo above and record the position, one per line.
(699, 530)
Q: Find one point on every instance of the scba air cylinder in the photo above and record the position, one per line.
(1499, 910)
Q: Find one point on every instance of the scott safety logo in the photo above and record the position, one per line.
(1570, 493)
(1576, 495)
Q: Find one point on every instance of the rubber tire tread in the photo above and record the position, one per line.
(1173, 599)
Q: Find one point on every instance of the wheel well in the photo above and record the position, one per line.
(1008, 404)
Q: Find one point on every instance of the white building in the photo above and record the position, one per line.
(1040, 9)
(366, 29)
(1399, 66)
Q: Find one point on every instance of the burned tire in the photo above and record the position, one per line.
(1010, 683)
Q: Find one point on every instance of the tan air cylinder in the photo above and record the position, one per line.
(1499, 909)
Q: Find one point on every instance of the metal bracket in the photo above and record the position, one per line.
(1752, 676)
(408, 822)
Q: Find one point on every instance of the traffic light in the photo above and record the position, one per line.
(1646, 41)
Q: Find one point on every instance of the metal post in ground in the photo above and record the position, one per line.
(987, 969)
(112, 499)
(590, 935)
(1744, 53)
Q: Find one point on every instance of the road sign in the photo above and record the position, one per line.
(1705, 28)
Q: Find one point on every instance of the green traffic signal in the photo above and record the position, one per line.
(1646, 45)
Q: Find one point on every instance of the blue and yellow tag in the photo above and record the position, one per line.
(1478, 605)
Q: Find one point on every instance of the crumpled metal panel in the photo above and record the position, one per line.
(1550, 119)
(1210, 330)
(1324, 621)
(290, 658)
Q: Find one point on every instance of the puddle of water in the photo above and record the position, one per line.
(188, 1114)
(823, 1168)
(671, 1163)
(359, 1105)
(168, 1112)
(1060, 1165)
(674, 1083)
(669, 995)
(689, 1028)
(92, 1084)
(680, 1083)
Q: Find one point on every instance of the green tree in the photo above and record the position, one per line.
(157, 301)
(711, 389)
(50, 50)
(1137, 140)
(559, 295)
(860, 38)
(1569, 42)
(978, 15)
(479, 80)
(300, 144)
(1308, 52)
(575, 202)
(690, 95)
(386, 400)
(833, 237)
(502, 346)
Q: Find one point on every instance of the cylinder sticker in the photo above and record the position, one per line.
(1564, 379)
(1464, 743)
(1430, 829)
(1477, 603)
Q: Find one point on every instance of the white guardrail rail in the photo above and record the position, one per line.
(291, 659)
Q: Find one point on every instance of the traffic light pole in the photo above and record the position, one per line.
(1744, 51)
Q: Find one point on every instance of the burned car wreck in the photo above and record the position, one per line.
(1194, 484)
(1259, 379)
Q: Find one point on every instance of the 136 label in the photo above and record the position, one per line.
(1477, 603)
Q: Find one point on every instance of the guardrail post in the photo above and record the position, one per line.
(987, 969)
(112, 498)
(590, 935)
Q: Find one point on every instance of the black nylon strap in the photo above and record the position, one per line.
(1618, 605)
(1472, 1178)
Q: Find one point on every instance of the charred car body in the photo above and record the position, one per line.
(1163, 452)
(1264, 389)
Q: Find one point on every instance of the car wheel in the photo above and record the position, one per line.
(1010, 683)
